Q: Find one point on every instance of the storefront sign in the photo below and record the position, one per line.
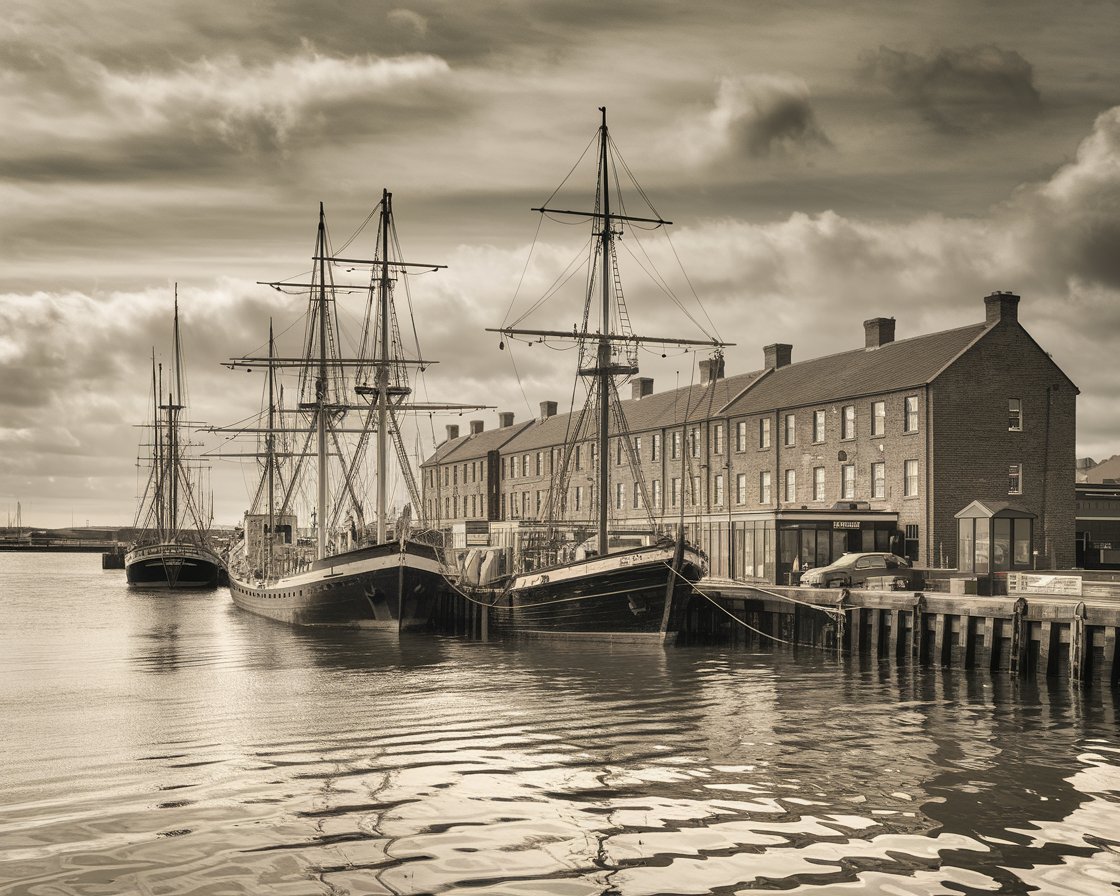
(845, 524)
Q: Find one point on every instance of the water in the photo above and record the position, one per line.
(164, 745)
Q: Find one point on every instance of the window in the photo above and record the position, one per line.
(540, 463)
(455, 504)
(741, 436)
(579, 497)
(694, 441)
(741, 488)
(764, 487)
(638, 447)
(718, 499)
(818, 426)
(695, 482)
(878, 418)
(847, 482)
(764, 432)
(655, 492)
(637, 497)
(538, 503)
(791, 485)
(1015, 479)
(717, 438)
(674, 491)
(618, 452)
(454, 475)
(818, 483)
(675, 445)
(579, 457)
(848, 422)
(911, 414)
(525, 502)
(1014, 415)
(619, 495)
(525, 465)
(879, 480)
(910, 479)
(655, 446)
(791, 429)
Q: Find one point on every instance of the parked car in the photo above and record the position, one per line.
(854, 571)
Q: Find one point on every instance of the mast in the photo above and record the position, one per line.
(603, 373)
(321, 390)
(270, 449)
(157, 438)
(383, 370)
(173, 406)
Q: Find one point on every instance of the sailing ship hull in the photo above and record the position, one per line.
(620, 596)
(171, 565)
(385, 586)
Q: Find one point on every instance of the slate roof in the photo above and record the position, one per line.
(475, 446)
(903, 364)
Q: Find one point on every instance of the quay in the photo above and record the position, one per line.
(1023, 633)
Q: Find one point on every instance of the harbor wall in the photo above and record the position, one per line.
(1028, 634)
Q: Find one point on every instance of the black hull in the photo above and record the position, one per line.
(173, 568)
(625, 602)
(377, 587)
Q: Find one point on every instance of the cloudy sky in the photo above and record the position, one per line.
(822, 163)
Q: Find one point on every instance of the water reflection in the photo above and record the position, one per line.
(197, 749)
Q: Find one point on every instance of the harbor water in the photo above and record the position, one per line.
(164, 744)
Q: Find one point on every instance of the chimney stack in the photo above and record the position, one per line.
(505, 418)
(642, 386)
(548, 409)
(452, 432)
(711, 370)
(878, 331)
(476, 427)
(777, 355)
(1001, 306)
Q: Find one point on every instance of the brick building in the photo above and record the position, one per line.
(954, 448)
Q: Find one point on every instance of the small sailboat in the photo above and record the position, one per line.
(571, 584)
(354, 564)
(173, 548)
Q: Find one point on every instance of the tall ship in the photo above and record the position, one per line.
(173, 547)
(314, 550)
(578, 577)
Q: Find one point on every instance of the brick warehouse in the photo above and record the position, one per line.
(955, 448)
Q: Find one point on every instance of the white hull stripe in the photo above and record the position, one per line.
(601, 566)
(343, 570)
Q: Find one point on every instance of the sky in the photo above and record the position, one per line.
(821, 163)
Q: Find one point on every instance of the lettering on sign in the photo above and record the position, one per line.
(1039, 583)
(845, 524)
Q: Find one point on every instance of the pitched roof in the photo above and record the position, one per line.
(1105, 471)
(475, 445)
(898, 365)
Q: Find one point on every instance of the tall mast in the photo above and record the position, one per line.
(173, 405)
(321, 389)
(383, 369)
(270, 449)
(604, 374)
(157, 453)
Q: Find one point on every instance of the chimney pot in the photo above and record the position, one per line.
(777, 355)
(877, 332)
(1001, 306)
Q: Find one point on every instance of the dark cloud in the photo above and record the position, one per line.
(957, 89)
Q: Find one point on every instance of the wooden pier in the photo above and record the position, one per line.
(1027, 634)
